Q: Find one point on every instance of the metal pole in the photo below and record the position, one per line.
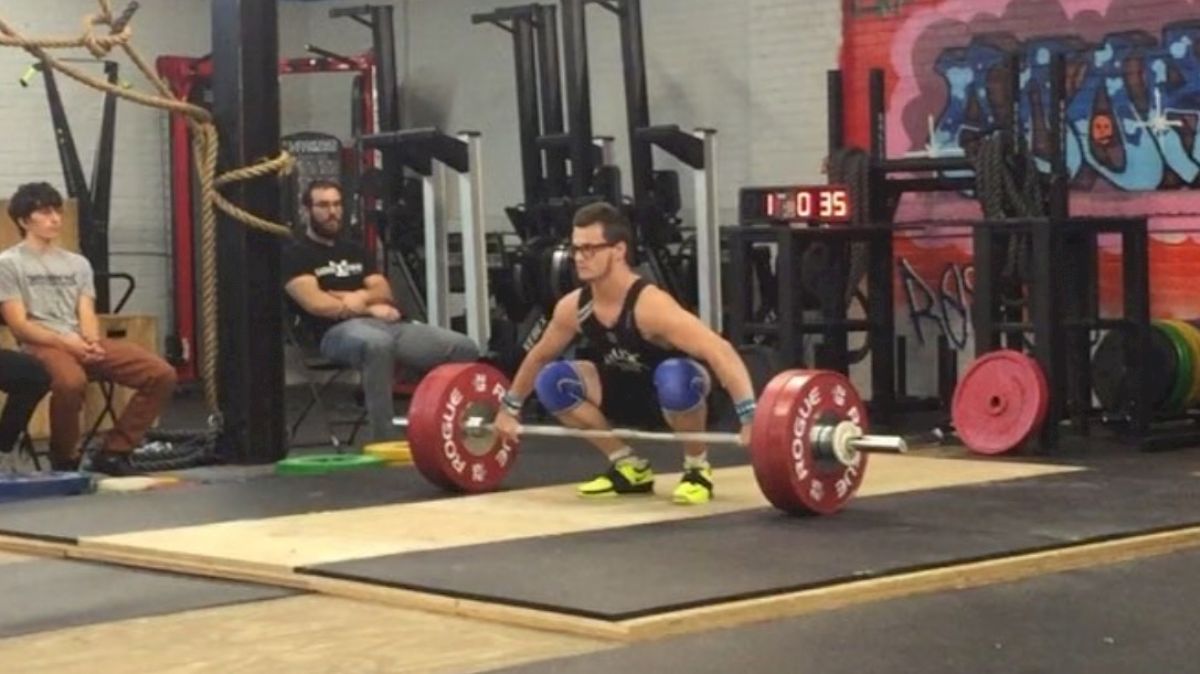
(878, 115)
(708, 234)
(550, 72)
(527, 108)
(637, 104)
(246, 110)
(579, 99)
(1056, 114)
(836, 110)
(437, 268)
(102, 177)
(474, 242)
(383, 39)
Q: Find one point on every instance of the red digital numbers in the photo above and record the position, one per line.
(827, 203)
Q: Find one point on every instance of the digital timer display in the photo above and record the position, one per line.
(819, 203)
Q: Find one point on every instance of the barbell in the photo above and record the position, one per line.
(841, 441)
(807, 447)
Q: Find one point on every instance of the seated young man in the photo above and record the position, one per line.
(348, 306)
(47, 298)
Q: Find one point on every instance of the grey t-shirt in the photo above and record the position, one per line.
(48, 283)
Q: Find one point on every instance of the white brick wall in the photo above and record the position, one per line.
(139, 240)
(753, 69)
(789, 57)
(140, 237)
(321, 102)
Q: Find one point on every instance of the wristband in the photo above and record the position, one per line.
(511, 403)
(745, 410)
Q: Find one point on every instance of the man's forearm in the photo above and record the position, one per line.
(378, 290)
(31, 333)
(369, 297)
(732, 373)
(523, 382)
(89, 325)
(329, 306)
(379, 295)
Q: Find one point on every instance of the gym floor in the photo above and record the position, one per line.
(943, 563)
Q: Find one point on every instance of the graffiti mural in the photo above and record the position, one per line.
(875, 7)
(946, 308)
(1132, 107)
(1131, 123)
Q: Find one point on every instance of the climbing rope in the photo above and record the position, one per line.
(104, 32)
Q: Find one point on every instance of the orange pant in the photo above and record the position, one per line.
(126, 364)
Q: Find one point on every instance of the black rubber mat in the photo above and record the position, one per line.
(624, 573)
(541, 462)
(1131, 617)
(46, 594)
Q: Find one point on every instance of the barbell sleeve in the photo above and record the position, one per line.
(887, 444)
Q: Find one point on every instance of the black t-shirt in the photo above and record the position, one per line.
(343, 267)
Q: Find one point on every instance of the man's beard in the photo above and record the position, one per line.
(328, 229)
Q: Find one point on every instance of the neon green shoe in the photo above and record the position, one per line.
(695, 487)
(628, 476)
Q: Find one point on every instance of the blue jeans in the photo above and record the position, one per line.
(376, 347)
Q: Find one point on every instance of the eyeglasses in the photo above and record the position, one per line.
(587, 250)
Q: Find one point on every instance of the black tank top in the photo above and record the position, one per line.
(621, 347)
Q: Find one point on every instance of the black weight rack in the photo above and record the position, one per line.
(1063, 312)
(790, 326)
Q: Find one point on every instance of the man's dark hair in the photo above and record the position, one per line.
(614, 223)
(30, 198)
(319, 184)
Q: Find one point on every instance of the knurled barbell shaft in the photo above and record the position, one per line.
(865, 443)
(711, 438)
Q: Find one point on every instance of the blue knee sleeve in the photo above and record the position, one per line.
(682, 384)
(559, 387)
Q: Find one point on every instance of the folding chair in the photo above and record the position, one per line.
(25, 446)
(320, 374)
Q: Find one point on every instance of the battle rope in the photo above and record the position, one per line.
(851, 167)
(205, 143)
(1007, 190)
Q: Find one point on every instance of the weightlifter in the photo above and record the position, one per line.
(639, 364)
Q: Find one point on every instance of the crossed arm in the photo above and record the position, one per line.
(375, 297)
